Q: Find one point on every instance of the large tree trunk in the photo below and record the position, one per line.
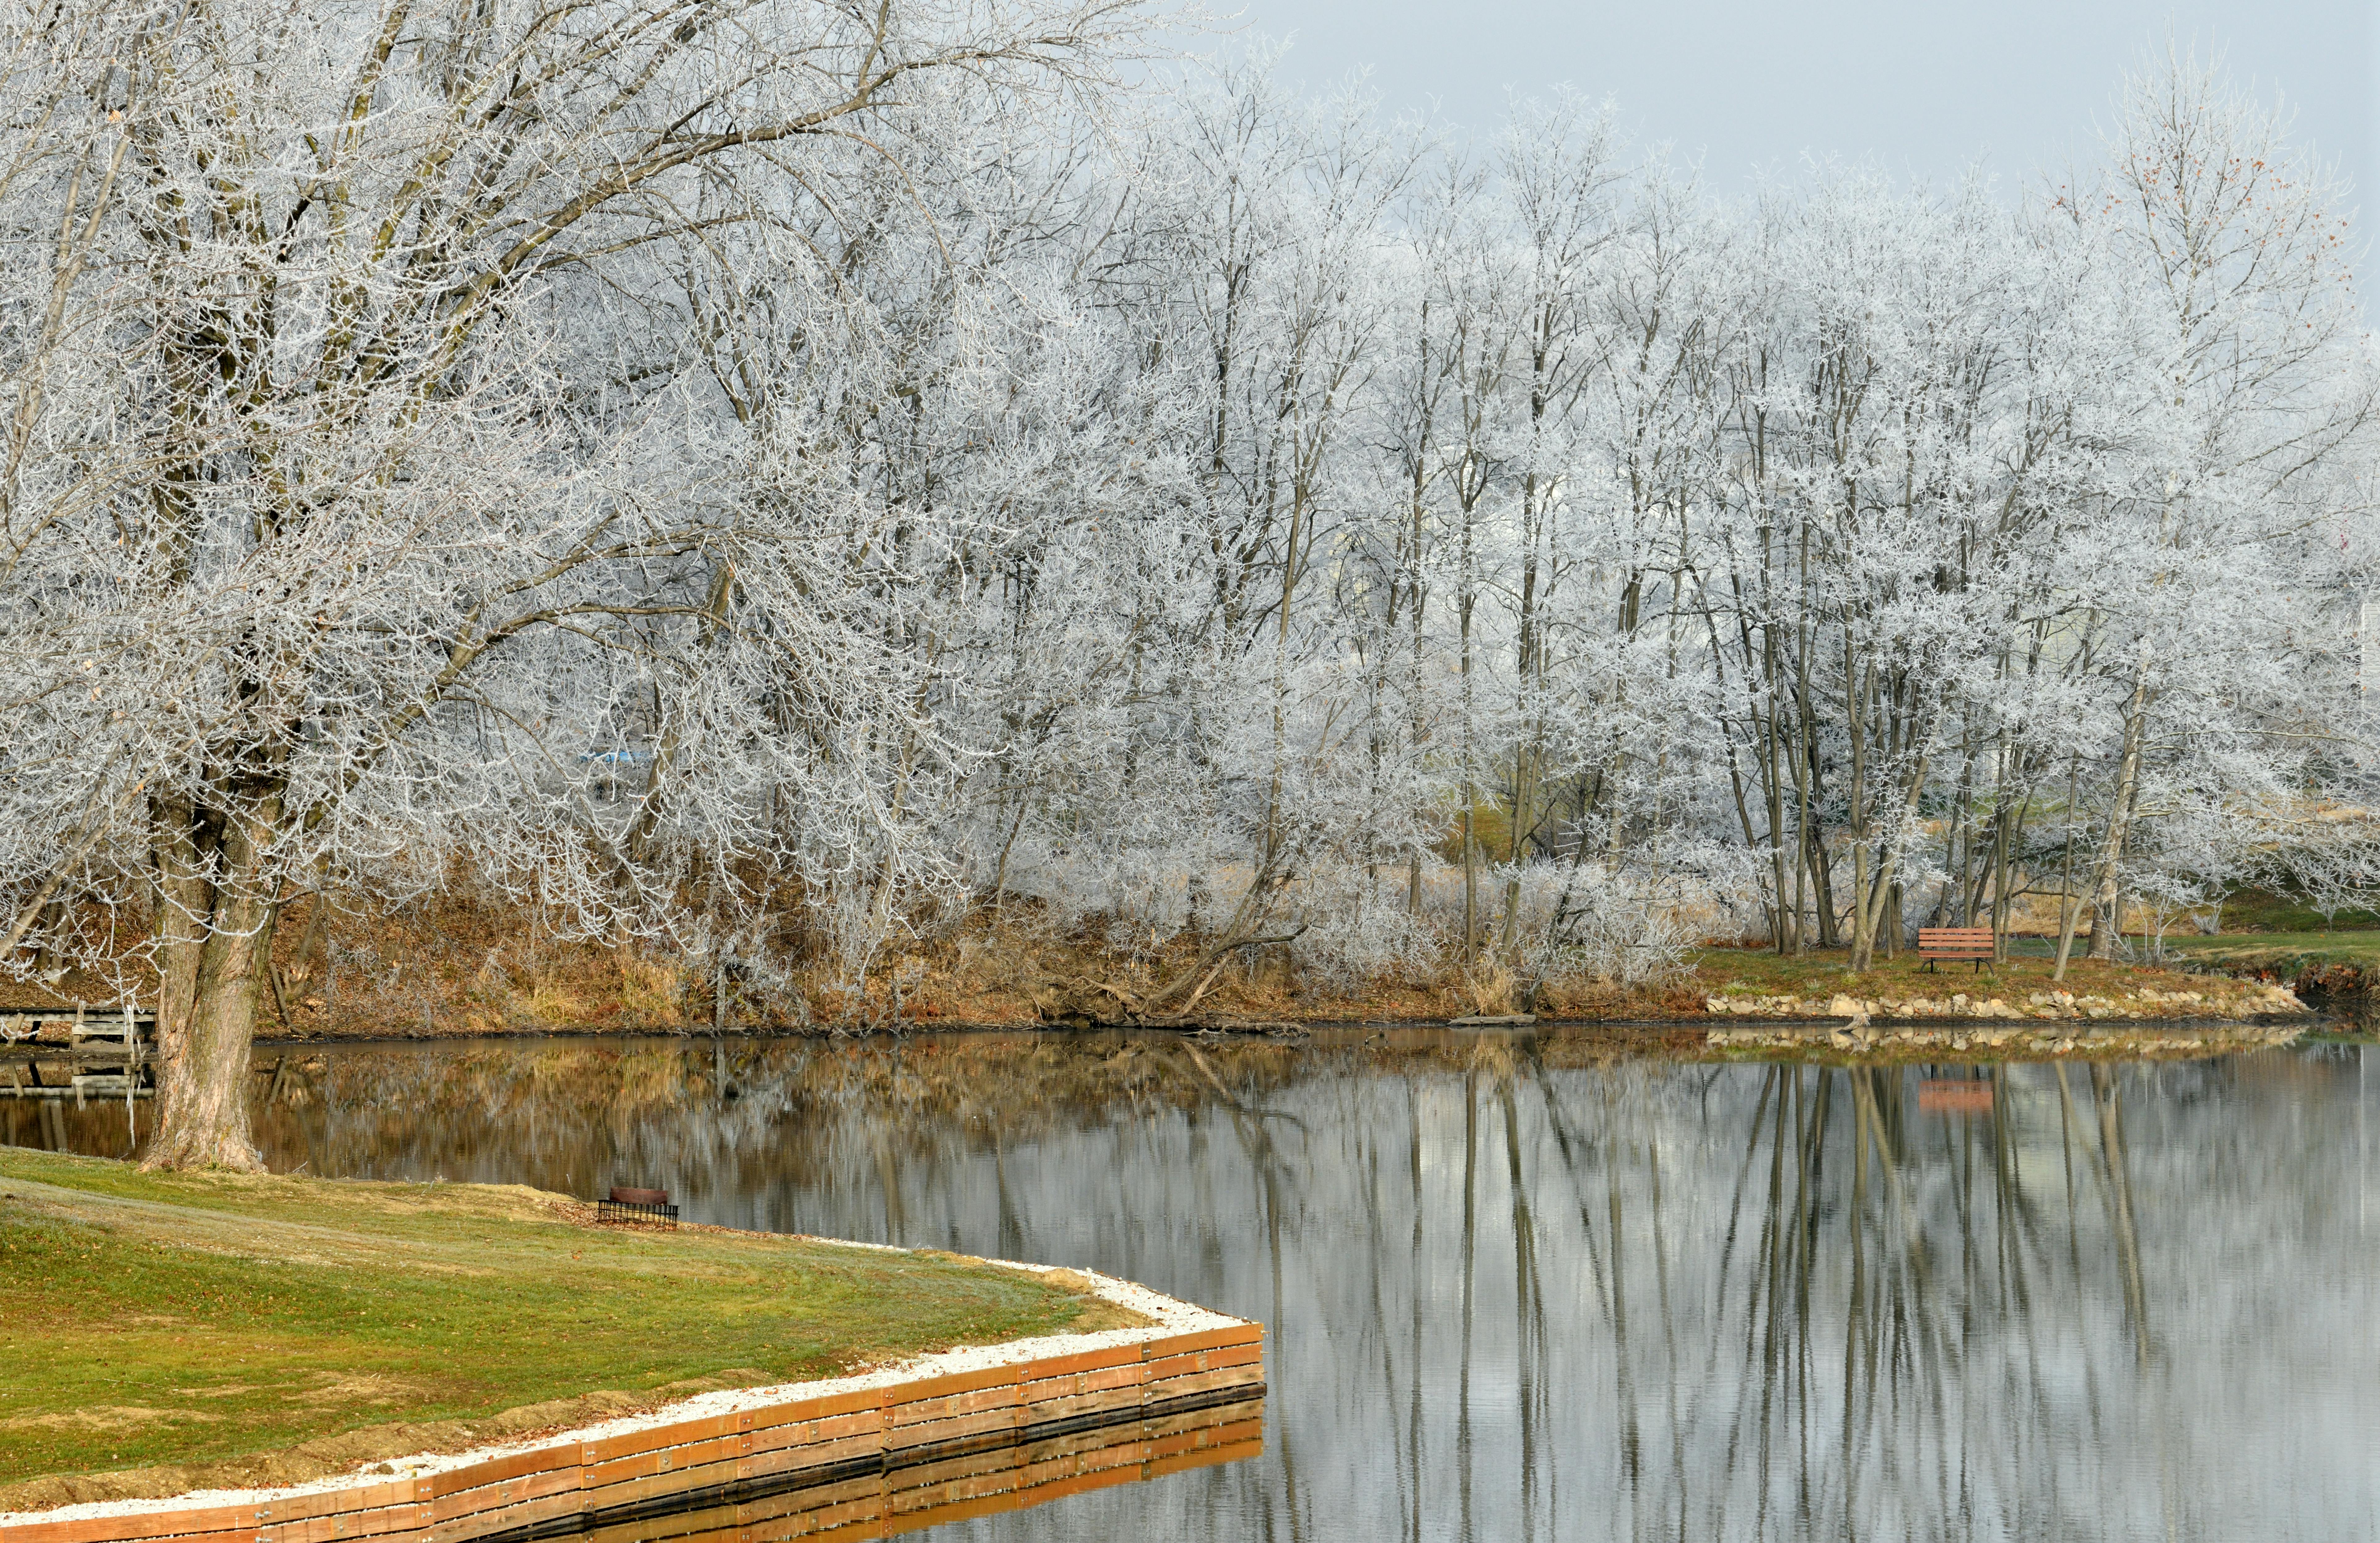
(203, 1085)
(214, 934)
(183, 902)
(2105, 923)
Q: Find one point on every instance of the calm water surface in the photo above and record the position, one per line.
(1516, 1290)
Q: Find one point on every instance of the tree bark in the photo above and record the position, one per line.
(2103, 922)
(202, 1084)
(214, 929)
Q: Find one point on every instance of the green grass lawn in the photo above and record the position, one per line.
(2272, 949)
(162, 1318)
(2262, 911)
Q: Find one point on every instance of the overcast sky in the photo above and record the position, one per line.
(1928, 86)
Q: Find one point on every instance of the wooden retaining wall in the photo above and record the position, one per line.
(863, 1463)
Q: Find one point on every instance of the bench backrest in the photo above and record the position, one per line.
(1954, 940)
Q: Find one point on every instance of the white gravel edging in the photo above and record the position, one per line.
(1168, 1317)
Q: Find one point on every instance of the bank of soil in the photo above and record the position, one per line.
(453, 964)
(165, 1332)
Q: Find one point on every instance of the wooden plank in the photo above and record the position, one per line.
(630, 1443)
(1205, 1360)
(500, 1518)
(1050, 1406)
(819, 1407)
(1181, 1387)
(1211, 1339)
(1101, 1380)
(495, 1470)
(981, 1422)
(677, 1481)
(244, 1535)
(1082, 1361)
(1936, 945)
(517, 1489)
(815, 1454)
(955, 1382)
(323, 1503)
(380, 1520)
(667, 1460)
(139, 1524)
(948, 1406)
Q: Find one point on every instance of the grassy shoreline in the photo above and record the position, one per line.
(168, 1332)
(2340, 961)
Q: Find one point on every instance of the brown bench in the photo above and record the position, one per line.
(1954, 942)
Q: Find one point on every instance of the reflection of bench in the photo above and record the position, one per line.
(1954, 942)
(636, 1205)
(1954, 1096)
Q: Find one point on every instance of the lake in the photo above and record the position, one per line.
(1518, 1288)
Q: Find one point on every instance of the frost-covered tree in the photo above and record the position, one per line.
(698, 467)
(367, 470)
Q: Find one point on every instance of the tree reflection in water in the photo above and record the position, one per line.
(1518, 1290)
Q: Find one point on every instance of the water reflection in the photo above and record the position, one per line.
(1517, 1291)
(923, 1496)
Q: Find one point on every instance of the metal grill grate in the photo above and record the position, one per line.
(625, 1204)
(623, 1210)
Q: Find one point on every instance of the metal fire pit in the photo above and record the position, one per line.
(638, 1206)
